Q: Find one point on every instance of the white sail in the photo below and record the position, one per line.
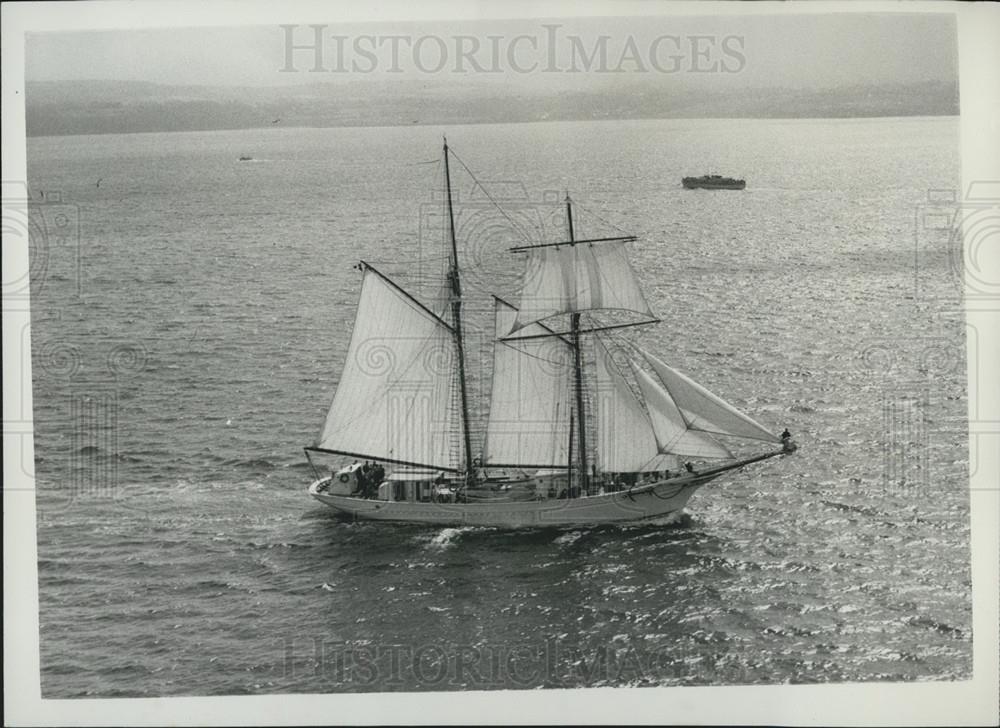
(625, 439)
(663, 461)
(394, 398)
(705, 411)
(672, 433)
(575, 278)
(531, 398)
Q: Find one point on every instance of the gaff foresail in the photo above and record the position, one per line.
(705, 411)
(394, 399)
(531, 398)
(569, 278)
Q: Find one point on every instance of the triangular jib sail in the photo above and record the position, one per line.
(569, 278)
(531, 398)
(394, 401)
(705, 411)
(672, 433)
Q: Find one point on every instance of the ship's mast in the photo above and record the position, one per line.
(578, 372)
(456, 312)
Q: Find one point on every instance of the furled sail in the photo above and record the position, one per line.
(625, 439)
(705, 411)
(672, 433)
(531, 398)
(394, 399)
(569, 278)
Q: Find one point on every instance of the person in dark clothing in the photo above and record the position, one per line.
(365, 479)
(689, 467)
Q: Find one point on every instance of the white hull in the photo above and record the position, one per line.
(646, 501)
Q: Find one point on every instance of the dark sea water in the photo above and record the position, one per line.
(190, 315)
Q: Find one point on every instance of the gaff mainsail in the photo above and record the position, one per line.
(394, 401)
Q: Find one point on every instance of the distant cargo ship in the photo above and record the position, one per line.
(713, 182)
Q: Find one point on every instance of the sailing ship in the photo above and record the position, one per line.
(568, 440)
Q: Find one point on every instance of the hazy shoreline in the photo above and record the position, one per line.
(61, 108)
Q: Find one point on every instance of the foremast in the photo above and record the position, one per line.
(645, 426)
(578, 371)
(573, 277)
(456, 313)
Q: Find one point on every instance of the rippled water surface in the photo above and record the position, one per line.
(188, 331)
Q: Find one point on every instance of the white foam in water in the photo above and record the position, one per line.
(447, 537)
(568, 538)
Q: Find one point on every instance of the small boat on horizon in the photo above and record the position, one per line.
(246, 158)
(713, 182)
(580, 430)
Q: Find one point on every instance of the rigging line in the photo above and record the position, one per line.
(522, 352)
(591, 212)
(392, 263)
(622, 341)
(626, 343)
(496, 204)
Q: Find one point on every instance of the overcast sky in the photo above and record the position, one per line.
(796, 51)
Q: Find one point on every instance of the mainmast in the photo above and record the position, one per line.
(578, 371)
(456, 312)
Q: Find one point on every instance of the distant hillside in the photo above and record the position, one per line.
(105, 107)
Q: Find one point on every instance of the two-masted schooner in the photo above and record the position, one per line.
(568, 439)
